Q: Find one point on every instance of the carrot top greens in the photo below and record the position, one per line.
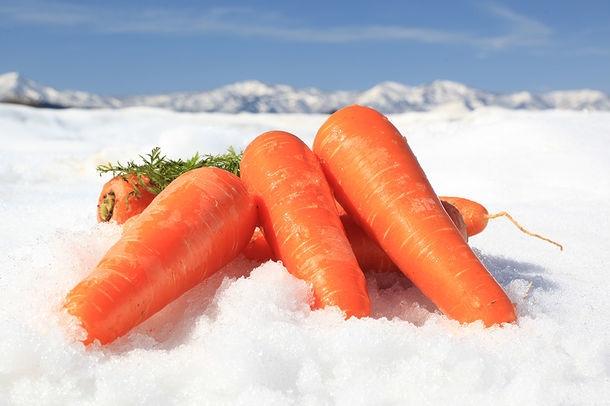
(161, 171)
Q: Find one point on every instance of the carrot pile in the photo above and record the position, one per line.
(357, 201)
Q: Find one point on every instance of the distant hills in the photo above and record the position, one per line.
(258, 97)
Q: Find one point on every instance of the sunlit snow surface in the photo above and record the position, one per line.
(247, 336)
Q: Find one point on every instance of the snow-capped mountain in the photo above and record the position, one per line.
(14, 88)
(248, 96)
(258, 97)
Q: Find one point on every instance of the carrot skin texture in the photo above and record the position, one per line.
(300, 222)
(370, 256)
(378, 180)
(195, 226)
(126, 202)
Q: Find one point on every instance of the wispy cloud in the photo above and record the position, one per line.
(521, 31)
(50, 13)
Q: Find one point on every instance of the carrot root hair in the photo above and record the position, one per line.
(520, 227)
(529, 288)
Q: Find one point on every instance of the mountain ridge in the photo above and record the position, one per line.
(254, 96)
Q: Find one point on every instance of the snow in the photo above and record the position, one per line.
(247, 336)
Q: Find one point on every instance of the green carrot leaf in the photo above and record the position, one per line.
(161, 171)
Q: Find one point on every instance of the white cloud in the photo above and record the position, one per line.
(40, 12)
(521, 30)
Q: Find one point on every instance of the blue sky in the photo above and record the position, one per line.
(145, 47)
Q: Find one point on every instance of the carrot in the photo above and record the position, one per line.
(368, 253)
(377, 179)
(258, 248)
(477, 217)
(370, 256)
(119, 199)
(195, 226)
(134, 185)
(299, 219)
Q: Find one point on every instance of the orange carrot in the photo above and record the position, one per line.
(119, 200)
(258, 248)
(477, 217)
(368, 253)
(451, 210)
(298, 216)
(377, 179)
(195, 226)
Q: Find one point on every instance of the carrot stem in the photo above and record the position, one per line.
(106, 206)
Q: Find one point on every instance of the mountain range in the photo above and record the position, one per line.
(257, 97)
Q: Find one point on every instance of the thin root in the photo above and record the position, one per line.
(505, 214)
